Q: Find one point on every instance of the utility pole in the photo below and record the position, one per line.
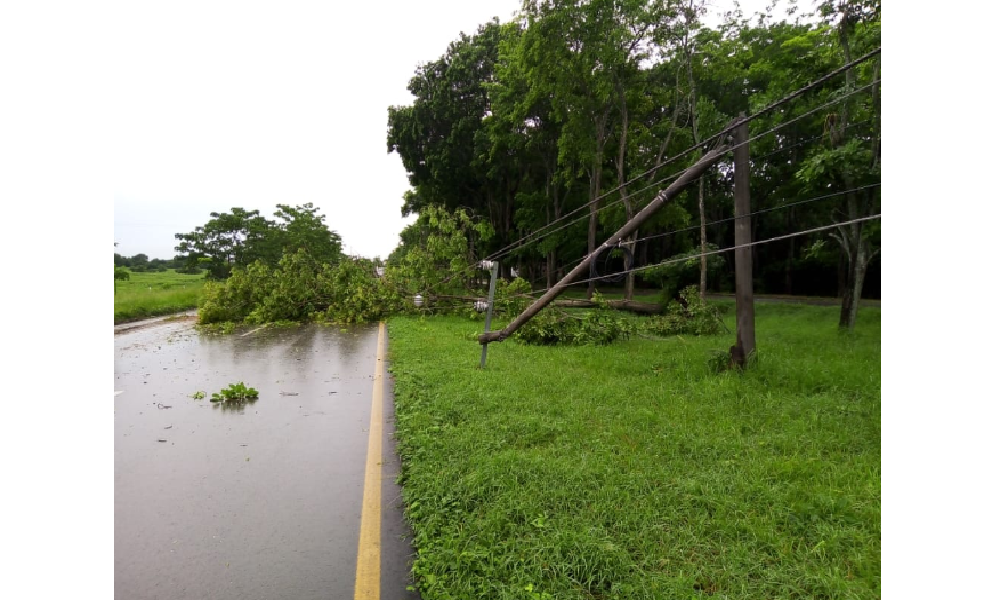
(746, 336)
(494, 268)
(691, 174)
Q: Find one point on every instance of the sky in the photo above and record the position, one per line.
(219, 105)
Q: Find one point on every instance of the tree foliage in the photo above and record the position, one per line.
(433, 263)
(528, 120)
(241, 237)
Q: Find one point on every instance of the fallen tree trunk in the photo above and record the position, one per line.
(633, 224)
(643, 308)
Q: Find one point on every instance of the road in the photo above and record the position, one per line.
(263, 500)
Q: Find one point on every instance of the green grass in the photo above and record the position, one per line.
(632, 471)
(152, 294)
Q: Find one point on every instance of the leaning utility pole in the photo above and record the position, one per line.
(633, 224)
(746, 336)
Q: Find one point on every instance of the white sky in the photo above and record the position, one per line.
(220, 105)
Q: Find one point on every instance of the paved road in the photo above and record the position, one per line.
(261, 501)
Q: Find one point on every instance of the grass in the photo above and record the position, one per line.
(147, 295)
(632, 471)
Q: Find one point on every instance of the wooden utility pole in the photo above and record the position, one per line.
(494, 268)
(662, 198)
(746, 336)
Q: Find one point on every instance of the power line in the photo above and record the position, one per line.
(751, 117)
(736, 123)
(762, 211)
(803, 142)
(510, 248)
(575, 221)
(722, 250)
(733, 218)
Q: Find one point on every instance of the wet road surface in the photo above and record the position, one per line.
(256, 501)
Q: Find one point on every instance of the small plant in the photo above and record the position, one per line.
(236, 392)
(719, 362)
(198, 395)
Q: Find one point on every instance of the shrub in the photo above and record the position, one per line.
(552, 327)
(689, 316)
(682, 270)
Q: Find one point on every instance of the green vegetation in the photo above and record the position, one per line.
(236, 392)
(151, 294)
(438, 265)
(611, 293)
(633, 471)
(140, 263)
(241, 238)
(589, 107)
(687, 316)
(554, 327)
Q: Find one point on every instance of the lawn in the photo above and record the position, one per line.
(152, 294)
(633, 471)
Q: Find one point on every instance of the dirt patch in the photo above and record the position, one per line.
(138, 325)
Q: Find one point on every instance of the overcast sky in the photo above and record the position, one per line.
(222, 104)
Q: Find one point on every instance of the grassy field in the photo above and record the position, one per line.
(633, 471)
(152, 294)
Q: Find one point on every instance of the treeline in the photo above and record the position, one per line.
(141, 263)
(578, 105)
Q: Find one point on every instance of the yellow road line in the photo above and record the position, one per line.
(368, 575)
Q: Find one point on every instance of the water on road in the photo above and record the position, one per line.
(255, 501)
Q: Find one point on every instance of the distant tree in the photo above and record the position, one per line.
(230, 240)
(237, 239)
(121, 275)
(158, 264)
(120, 261)
(302, 228)
(182, 266)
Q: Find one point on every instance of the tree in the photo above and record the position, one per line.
(849, 161)
(229, 240)
(438, 252)
(442, 141)
(300, 227)
(527, 121)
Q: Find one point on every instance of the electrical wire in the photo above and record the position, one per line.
(715, 138)
(722, 250)
(740, 121)
(507, 250)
